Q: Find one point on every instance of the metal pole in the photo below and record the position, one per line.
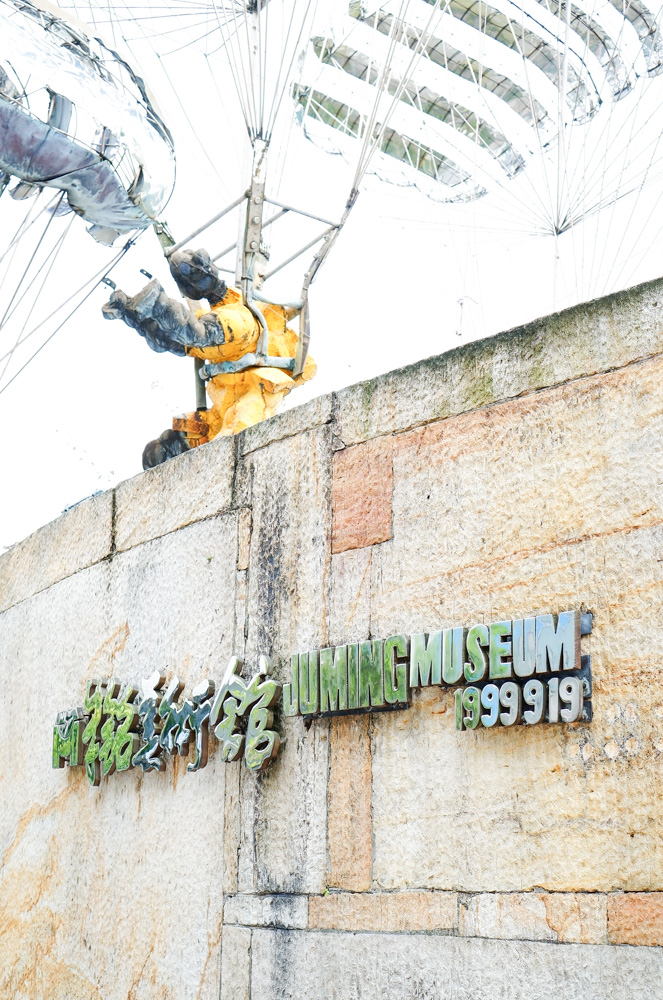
(250, 244)
(201, 395)
(206, 225)
(200, 390)
(294, 256)
(299, 211)
(233, 246)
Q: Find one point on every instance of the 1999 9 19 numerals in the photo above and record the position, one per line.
(556, 700)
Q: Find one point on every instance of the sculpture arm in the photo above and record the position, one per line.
(165, 323)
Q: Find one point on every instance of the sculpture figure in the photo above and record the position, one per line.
(244, 386)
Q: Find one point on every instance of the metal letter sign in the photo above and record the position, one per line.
(119, 728)
(521, 671)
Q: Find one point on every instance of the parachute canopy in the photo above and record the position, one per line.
(75, 116)
(474, 90)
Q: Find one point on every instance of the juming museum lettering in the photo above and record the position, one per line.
(534, 660)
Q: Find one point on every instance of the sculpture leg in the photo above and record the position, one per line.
(238, 401)
(167, 445)
(254, 395)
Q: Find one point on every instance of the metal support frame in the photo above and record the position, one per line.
(268, 222)
(299, 211)
(201, 229)
(298, 253)
(249, 244)
(209, 370)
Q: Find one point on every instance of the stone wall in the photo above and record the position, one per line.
(384, 855)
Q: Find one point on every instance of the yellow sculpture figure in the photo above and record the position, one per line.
(240, 399)
(243, 388)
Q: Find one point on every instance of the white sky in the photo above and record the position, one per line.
(77, 419)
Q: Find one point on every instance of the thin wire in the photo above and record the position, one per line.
(416, 56)
(257, 130)
(18, 235)
(526, 70)
(633, 210)
(176, 31)
(53, 257)
(29, 265)
(66, 301)
(281, 88)
(44, 263)
(266, 47)
(68, 316)
(284, 43)
(262, 65)
(237, 65)
(178, 99)
(369, 125)
(614, 202)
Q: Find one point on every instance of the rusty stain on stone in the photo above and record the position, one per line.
(361, 495)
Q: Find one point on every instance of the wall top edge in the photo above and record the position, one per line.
(587, 339)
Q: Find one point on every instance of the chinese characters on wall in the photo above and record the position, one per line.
(120, 726)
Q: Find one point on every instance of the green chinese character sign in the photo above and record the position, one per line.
(122, 727)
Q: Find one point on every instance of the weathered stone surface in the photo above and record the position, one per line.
(231, 827)
(289, 558)
(72, 542)
(282, 844)
(636, 918)
(577, 918)
(178, 492)
(236, 964)
(596, 337)
(535, 916)
(361, 495)
(517, 510)
(350, 599)
(547, 500)
(287, 965)
(244, 538)
(287, 911)
(384, 911)
(160, 586)
(241, 589)
(542, 812)
(349, 822)
(481, 493)
(302, 418)
(92, 874)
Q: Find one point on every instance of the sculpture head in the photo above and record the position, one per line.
(197, 276)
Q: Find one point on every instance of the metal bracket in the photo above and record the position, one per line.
(585, 675)
(248, 361)
(254, 217)
(252, 234)
(273, 300)
(163, 235)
